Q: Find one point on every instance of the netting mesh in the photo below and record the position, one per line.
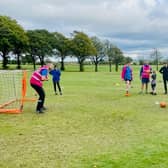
(10, 88)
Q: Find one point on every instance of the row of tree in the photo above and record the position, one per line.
(40, 44)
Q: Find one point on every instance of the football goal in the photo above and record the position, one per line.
(13, 87)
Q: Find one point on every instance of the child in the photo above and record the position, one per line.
(153, 83)
(126, 75)
(56, 73)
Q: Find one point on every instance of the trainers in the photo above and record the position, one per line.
(60, 93)
(127, 94)
(44, 108)
(39, 111)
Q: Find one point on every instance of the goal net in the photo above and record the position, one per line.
(12, 91)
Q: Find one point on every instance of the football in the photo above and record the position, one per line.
(162, 104)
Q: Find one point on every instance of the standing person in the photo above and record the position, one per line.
(36, 82)
(145, 76)
(126, 75)
(56, 73)
(153, 83)
(164, 71)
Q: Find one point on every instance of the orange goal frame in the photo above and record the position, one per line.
(21, 100)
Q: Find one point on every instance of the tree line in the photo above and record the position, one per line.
(40, 44)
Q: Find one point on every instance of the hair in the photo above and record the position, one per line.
(55, 65)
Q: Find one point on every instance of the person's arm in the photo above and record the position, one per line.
(123, 73)
(161, 70)
(44, 74)
(140, 74)
(51, 72)
(131, 74)
(59, 72)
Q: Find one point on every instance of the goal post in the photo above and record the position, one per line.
(13, 88)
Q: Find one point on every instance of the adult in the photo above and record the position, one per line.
(36, 82)
(145, 71)
(164, 71)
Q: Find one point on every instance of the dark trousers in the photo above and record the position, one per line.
(165, 84)
(41, 94)
(153, 86)
(56, 83)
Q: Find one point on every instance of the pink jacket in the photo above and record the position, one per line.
(36, 78)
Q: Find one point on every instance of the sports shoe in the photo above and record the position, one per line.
(127, 94)
(44, 108)
(39, 111)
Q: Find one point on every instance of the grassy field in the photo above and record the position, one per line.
(92, 125)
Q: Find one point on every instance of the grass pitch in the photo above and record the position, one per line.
(92, 125)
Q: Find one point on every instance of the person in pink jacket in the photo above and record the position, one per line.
(36, 82)
(145, 72)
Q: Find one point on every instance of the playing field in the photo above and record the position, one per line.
(92, 125)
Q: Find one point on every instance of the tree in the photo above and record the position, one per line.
(6, 38)
(114, 54)
(117, 57)
(109, 53)
(12, 39)
(127, 59)
(40, 44)
(156, 55)
(82, 47)
(62, 45)
(33, 46)
(100, 54)
(20, 43)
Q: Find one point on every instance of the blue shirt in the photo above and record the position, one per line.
(55, 75)
(44, 72)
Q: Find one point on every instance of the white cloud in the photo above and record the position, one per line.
(130, 23)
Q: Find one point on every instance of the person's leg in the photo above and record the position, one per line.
(127, 86)
(154, 89)
(55, 89)
(59, 87)
(41, 99)
(142, 86)
(165, 85)
(146, 87)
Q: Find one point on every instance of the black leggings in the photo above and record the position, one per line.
(41, 94)
(165, 84)
(58, 84)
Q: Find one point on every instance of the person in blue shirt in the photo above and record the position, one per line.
(126, 75)
(56, 73)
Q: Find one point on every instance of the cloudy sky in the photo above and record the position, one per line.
(135, 26)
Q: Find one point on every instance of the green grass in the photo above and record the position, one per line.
(91, 125)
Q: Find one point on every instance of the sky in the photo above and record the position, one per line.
(137, 27)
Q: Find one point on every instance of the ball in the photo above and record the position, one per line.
(162, 104)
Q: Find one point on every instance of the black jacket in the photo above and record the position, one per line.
(164, 71)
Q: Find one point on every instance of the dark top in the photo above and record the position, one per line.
(164, 71)
(56, 73)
